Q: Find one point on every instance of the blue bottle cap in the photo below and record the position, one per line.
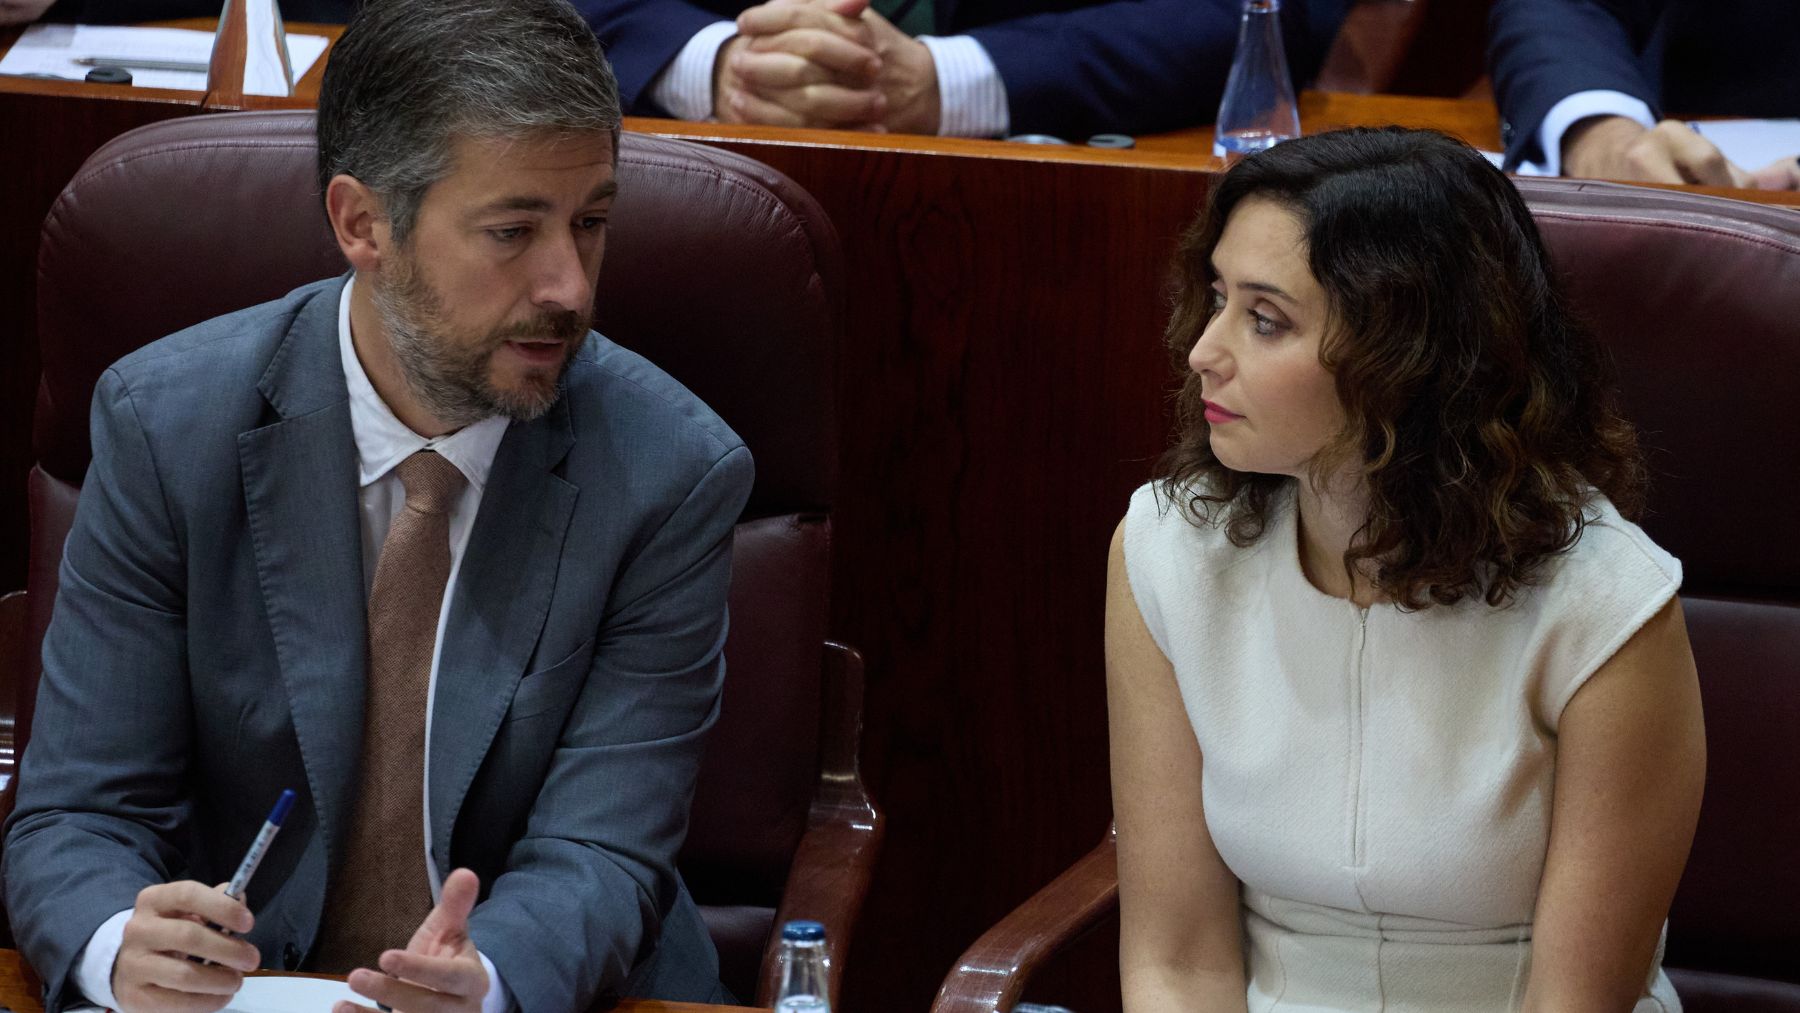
(803, 932)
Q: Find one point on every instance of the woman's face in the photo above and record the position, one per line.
(1270, 404)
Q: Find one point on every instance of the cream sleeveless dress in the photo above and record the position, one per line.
(1380, 781)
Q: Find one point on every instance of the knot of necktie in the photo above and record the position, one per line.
(432, 482)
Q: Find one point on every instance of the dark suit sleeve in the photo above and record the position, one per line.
(640, 37)
(101, 807)
(1542, 51)
(585, 890)
(1135, 66)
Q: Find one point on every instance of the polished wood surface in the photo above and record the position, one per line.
(21, 992)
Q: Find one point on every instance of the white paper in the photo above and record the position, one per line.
(53, 50)
(278, 993)
(1752, 144)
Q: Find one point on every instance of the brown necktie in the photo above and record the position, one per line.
(381, 893)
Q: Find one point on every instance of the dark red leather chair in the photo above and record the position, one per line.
(1698, 299)
(718, 268)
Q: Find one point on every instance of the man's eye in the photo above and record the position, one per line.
(591, 223)
(508, 235)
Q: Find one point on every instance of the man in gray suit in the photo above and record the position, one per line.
(414, 543)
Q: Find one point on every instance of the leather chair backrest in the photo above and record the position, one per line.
(1698, 300)
(720, 270)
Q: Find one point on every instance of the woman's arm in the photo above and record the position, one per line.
(1180, 936)
(1630, 763)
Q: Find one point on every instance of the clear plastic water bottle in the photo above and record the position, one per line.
(1258, 110)
(805, 983)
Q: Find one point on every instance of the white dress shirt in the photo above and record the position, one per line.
(971, 96)
(382, 442)
(1572, 110)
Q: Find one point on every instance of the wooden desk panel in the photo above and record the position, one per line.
(21, 992)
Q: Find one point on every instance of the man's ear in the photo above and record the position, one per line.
(357, 222)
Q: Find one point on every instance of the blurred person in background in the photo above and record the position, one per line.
(967, 68)
(1586, 87)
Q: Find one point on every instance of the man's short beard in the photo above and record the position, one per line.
(448, 376)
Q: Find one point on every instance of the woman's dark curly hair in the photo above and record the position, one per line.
(1482, 416)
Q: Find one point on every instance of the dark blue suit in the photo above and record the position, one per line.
(1686, 57)
(1071, 67)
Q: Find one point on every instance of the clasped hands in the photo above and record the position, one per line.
(438, 971)
(825, 63)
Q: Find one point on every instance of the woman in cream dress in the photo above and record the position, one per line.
(1403, 712)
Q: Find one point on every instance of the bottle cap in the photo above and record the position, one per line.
(109, 75)
(1111, 141)
(1036, 139)
(803, 932)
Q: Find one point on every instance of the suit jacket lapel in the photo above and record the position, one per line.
(502, 597)
(300, 492)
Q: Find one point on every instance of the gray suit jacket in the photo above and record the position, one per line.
(208, 650)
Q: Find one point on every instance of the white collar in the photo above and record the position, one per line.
(383, 441)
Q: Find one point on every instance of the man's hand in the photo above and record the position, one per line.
(22, 12)
(1615, 147)
(439, 971)
(1781, 174)
(907, 78)
(800, 63)
(152, 972)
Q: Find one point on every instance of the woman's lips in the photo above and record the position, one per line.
(1216, 414)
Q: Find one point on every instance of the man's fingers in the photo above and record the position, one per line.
(464, 976)
(769, 72)
(771, 19)
(1781, 174)
(178, 974)
(173, 900)
(1697, 159)
(820, 105)
(183, 938)
(403, 996)
(448, 921)
(851, 63)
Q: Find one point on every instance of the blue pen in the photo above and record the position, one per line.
(260, 847)
(253, 858)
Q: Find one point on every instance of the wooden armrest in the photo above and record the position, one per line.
(991, 975)
(832, 869)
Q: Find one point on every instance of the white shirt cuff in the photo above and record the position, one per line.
(684, 89)
(1572, 110)
(94, 967)
(498, 999)
(971, 96)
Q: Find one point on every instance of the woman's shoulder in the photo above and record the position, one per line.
(1594, 597)
(1610, 549)
(1179, 531)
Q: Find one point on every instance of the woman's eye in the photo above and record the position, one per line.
(1217, 304)
(1265, 326)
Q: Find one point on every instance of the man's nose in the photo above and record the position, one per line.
(562, 279)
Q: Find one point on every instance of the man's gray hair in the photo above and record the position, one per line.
(409, 76)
